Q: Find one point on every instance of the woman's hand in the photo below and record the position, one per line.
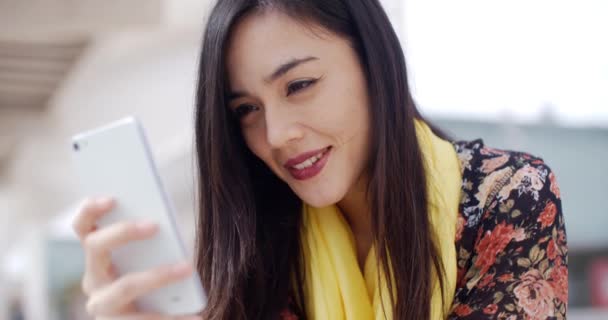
(111, 297)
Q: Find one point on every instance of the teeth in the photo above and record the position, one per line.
(309, 162)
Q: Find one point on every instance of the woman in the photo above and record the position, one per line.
(312, 156)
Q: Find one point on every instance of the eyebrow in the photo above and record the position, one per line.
(285, 67)
(279, 71)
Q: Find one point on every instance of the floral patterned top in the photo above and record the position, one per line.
(510, 239)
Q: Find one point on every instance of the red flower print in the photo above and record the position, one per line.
(548, 216)
(535, 295)
(490, 165)
(463, 310)
(461, 279)
(479, 234)
(492, 244)
(552, 250)
(490, 309)
(506, 277)
(559, 282)
(460, 227)
(486, 280)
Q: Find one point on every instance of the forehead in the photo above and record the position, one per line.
(262, 41)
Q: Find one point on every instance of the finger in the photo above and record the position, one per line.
(96, 277)
(99, 244)
(106, 239)
(113, 297)
(90, 210)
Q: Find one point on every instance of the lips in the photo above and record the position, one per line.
(308, 164)
(303, 157)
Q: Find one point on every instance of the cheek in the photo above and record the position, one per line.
(341, 111)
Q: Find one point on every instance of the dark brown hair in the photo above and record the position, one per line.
(248, 246)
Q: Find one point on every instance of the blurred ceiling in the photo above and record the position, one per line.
(41, 41)
(31, 70)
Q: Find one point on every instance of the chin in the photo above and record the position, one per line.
(318, 204)
(318, 199)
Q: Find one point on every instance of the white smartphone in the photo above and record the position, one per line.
(115, 160)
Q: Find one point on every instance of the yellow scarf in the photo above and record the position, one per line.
(334, 286)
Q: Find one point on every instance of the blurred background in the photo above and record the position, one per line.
(527, 75)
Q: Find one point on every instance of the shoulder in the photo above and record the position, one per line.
(493, 176)
(479, 161)
(510, 228)
(502, 186)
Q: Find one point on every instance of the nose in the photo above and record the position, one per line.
(282, 127)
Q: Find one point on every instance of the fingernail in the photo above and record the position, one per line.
(181, 268)
(104, 201)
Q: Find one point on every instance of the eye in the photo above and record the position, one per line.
(244, 110)
(296, 86)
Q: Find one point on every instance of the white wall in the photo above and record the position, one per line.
(485, 59)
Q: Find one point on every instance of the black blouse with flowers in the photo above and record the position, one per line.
(510, 240)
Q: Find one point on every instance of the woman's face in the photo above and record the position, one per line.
(301, 99)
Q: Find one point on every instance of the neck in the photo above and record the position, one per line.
(355, 208)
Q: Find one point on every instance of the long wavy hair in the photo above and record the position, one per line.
(248, 246)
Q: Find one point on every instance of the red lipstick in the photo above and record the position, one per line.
(310, 170)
